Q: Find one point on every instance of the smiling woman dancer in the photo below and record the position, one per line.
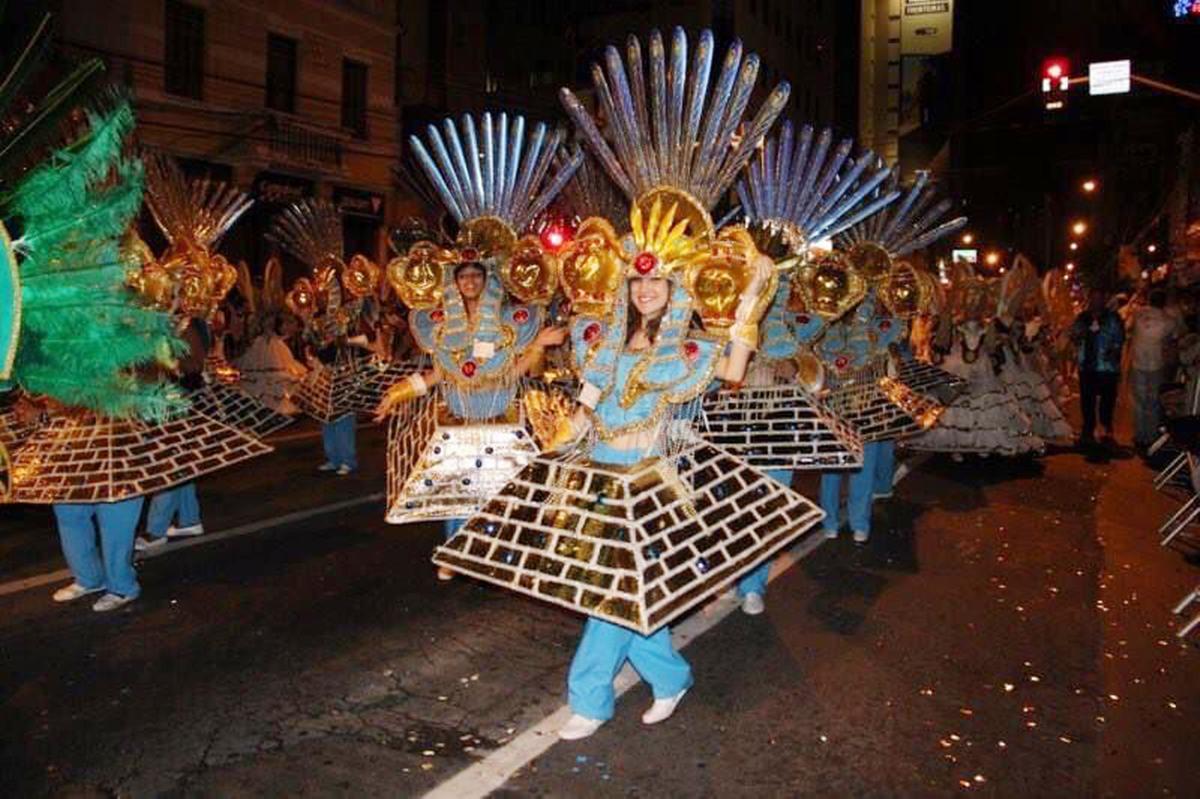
(638, 520)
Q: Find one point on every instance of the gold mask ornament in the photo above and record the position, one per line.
(903, 292)
(592, 268)
(829, 285)
(417, 276)
(717, 282)
(530, 273)
(870, 260)
(360, 277)
(302, 299)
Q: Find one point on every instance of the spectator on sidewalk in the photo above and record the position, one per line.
(1099, 337)
(1152, 331)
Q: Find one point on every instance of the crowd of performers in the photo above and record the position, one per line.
(599, 388)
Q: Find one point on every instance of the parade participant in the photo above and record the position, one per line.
(269, 369)
(330, 302)
(864, 347)
(795, 194)
(1099, 338)
(70, 288)
(1017, 329)
(645, 520)
(985, 419)
(443, 466)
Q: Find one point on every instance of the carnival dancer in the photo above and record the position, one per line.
(795, 194)
(330, 302)
(69, 288)
(985, 419)
(442, 466)
(645, 520)
(1017, 329)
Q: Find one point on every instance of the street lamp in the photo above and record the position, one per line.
(1089, 185)
(1073, 246)
(1152, 248)
(1070, 266)
(992, 258)
(968, 238)
(1079, 228)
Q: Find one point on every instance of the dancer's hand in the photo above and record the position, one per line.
(407, 389)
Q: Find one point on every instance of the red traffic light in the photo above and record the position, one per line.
(1056, 74)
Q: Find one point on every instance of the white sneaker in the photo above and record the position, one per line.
(662, 709)
(861, 536)
(753, 604)
(578, 727)
(327, 466)
(185, 532)
(830, 533)
(145, 543)
(445, 575)
(111, 602)
(342, 471)
(69, 593)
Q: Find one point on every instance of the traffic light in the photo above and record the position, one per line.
(1056, 78)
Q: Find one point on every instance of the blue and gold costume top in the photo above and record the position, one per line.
(477, 359)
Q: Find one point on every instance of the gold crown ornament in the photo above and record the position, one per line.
(530, 272)
(718, 280)
(302, 299)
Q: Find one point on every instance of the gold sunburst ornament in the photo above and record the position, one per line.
(829, 285)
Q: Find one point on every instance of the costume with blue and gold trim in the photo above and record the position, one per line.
(451, 447)
(643, 519)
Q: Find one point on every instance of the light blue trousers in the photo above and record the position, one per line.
(755, 582)
(108, 565)
(338, 438)
(858, 502)
(602, 652)
(175, 504)
(885, 467)
(452, 526)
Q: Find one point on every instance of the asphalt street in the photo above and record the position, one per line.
(1007, 631)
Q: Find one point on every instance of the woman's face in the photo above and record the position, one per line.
(469, 281)
(649, 295)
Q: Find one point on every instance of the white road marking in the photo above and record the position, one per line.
(178, 545)
(491, 773)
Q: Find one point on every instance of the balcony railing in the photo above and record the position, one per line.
(300, 145)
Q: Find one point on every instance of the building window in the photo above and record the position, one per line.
(281, 73)
(183, 54)
(354, 97)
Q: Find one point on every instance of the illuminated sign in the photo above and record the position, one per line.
(1109, 77)
(966, 256)
(926, 27)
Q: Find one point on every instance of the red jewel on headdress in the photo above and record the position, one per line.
(841, 362)
(438, 315)
(591, 333)
(468, 369)
(691, 349)
(521, 316)
(886, 324)
(470, 254)
(645, 263)
(802, 319)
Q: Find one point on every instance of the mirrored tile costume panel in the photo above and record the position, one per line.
(328, 391)
(638, 546)
(79, 457)
(779, 427)
(232, 406)
(440, 467)
(930, 381)
(879, 407)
